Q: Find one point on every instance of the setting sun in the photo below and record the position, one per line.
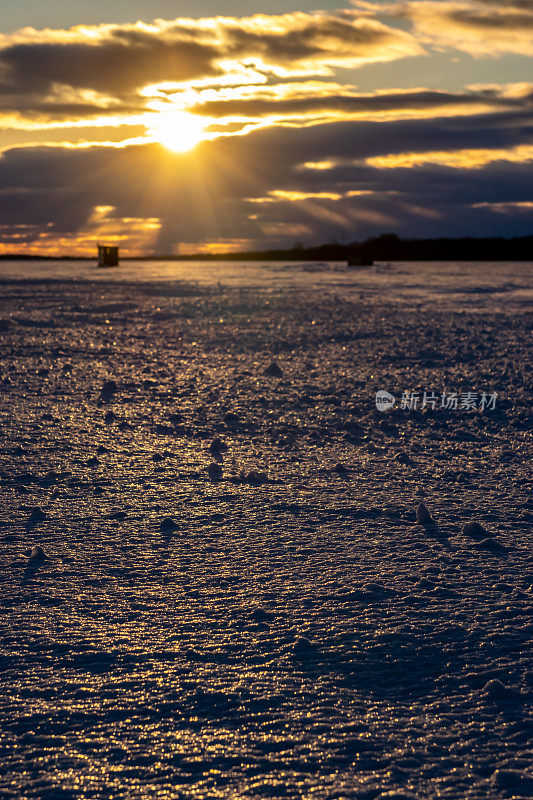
(265, 373)
(178, 131)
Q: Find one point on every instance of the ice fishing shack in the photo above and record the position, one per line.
(107, 255)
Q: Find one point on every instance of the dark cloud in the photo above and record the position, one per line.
(116, 65)
(213, 194)
(118, 60)
(494, 20)
(35, 108)
(420, 100)
(421, 162)
(518, 4)
(312, 38)
(479, 27)
(360, 140)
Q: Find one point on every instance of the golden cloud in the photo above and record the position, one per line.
(118, 75)
(134, 235)
(478, 27)
(467, 158)
(117, 60)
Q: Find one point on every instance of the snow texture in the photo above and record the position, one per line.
(220, 589)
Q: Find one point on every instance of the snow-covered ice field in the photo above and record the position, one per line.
(284, 629)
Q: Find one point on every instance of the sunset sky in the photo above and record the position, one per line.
(173, 127)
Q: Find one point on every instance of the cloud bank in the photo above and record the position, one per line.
(292, 148)
(485, 27)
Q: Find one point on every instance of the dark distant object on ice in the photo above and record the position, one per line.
(491, 545)
(496, 690)
(475, 531)
(36, 515)
(109, 417)
(37, 555)
(514, 779)
(108, 391)
(107, 256)
(341, 469)
(402, 458)
(261, 615)
(254, 477)
(303, 648)
(423, 516)
(217, 447)
(214, 471)
(359, 261)
(167, 525)
(274, 370)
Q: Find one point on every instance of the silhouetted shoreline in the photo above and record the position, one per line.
(388, 247)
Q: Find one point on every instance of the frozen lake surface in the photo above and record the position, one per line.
(262, 616)
(398, 281)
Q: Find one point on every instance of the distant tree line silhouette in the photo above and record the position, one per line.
(387, 247)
